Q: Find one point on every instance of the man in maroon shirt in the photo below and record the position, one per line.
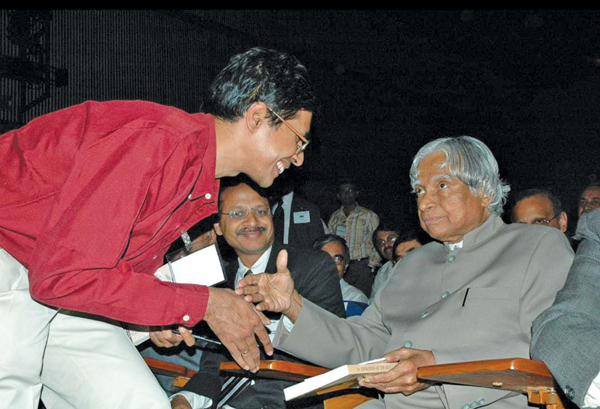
(92, 196)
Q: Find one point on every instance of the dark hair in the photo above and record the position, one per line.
(228, 182)
(383, 227)
(590, 184)
(273, 77)
(321, 241)
(524, 194)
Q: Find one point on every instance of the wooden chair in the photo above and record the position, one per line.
(514, 374)
(283, 370)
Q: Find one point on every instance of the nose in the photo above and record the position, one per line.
(425, 201)
(251, 219)
(298, 159)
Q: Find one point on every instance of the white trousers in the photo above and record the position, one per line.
(73, 360)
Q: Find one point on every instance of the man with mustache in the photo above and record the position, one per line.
(471, 294)
(246, 224)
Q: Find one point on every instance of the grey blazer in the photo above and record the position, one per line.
(472, 303)
(567, 335)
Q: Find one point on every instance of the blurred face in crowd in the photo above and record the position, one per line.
(384, 243)
(402, 249)
(538, 209)
(336, 251)
(347, 194)
(252, 233)
(589, 200)
(447, 208)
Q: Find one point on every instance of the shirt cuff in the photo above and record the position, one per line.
(195, 400)
(592, 398)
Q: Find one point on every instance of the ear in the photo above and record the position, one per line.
(562, 222)
(218, 229)
(256, 116)
(485, 200)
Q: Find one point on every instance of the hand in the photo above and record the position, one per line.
(236, 322)
(164, 337)
(179, 402)
(403, 377)
(272, 292)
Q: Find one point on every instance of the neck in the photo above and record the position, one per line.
(248, 260)
(229, 159)
(348, 208)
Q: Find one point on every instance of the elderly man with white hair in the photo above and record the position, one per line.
(471, 294)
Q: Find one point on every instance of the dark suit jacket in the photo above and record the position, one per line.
(316, 278)
(300, 234)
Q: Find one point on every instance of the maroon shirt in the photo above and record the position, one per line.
(92, 196)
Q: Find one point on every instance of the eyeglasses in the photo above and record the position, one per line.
(544, 222)
(338, 259)
(593, 203)
(242, 213)
(302, 143)
(391, 239)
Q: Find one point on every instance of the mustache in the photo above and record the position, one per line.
(247, 230)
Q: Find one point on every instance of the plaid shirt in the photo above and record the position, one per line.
(357, 228)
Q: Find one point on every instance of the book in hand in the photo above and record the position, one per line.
(343, 377)
(201, 266)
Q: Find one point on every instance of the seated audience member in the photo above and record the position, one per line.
(356, 224)
(337, 248)
(297, 221)
(384, 238)
(590, 198)
(567, 335)
(539, 206)
(402, 244)
(246, 224)
(407, 242)
(471, 294)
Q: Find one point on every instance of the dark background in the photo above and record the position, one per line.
(523, 81)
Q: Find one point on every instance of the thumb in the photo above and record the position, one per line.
(282, 260)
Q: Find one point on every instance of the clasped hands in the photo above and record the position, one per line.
(236, 322)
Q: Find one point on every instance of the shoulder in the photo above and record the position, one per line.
(298, 256)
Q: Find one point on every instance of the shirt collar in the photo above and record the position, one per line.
(258, 267)
(480, 234)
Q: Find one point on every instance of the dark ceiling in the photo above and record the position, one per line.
(524, 81)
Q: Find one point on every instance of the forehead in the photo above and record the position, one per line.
(333, 247)
(381, 234)
(241, 195)
(536, 203)
(591, 192)
(432, 167)
(346, 186)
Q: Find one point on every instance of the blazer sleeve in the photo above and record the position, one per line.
(566, 336)
(316, 279)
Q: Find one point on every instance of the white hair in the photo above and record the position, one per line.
(472, 162)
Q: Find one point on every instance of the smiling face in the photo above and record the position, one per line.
(252, 235)
(274, 148)
(447, 208)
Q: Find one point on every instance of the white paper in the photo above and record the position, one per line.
(202, 267)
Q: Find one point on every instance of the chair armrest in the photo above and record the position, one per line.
(282, 370)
